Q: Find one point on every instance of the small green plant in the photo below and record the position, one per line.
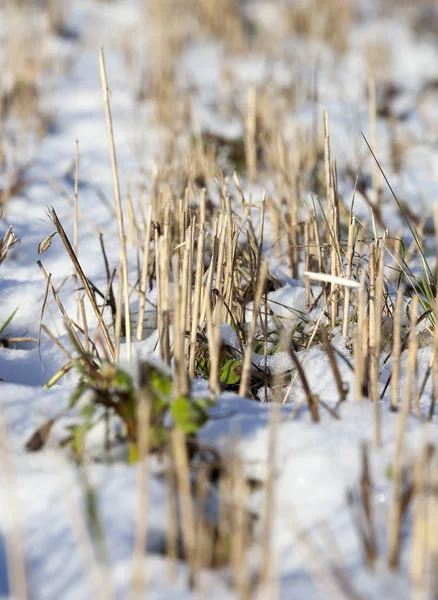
(111, 387)
(230, 369)
(106, 390)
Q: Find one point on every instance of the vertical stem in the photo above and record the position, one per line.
(196, 300)
(119, 211)
(144, 275)
(396, 348)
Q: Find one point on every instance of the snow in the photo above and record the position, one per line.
(315, 464)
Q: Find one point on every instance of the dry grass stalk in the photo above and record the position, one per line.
(396, 507)
(265, 344)
(7, 242)
(342, 388)
(214, 347)
(321, 261)
(217, 313)
(58, 375)
(312, 399)
(397, 247)
(269, 499)
(274, 213)
(432, 543)
(307, 261)
(202, 197)
(332, 217)
(67, 319)
(348, 269)
(419, 556)
(84, 325)
(163, 274)
(375, 357)
(292, 206)
(118, 317)
(229, 271)
(396, 347)
(182, 470)
(196, 300)
(361, 343)
(434, 366)
(435, 221)
(43, 308)
(204, 542)
(411, 369)
(247, 359)
(333, 279)
(327, 173)
(144, 275)
(239, 527)
(171, 520)
(369, 534)
(358, 365)
(83, 278)
(334, 257)
(372, 317)
(212, 267)
(144, 404)
(246, 208)
(189, 284)
(180, 380)
(56, 342)
(118, 201)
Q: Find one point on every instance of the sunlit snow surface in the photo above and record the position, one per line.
(316, 465)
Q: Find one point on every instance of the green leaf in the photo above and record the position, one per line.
(88, 411)
(80, 367)
(259, 348)
(123, 380)
(231, 371)
(189, 415)
(204, 366)
(161, 382)
(8, 320)
(158, 436)
(77, 443)
(133, 454)
(79, 391)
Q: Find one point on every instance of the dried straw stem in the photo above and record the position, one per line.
(396, 347)
(118, 201)
(144, 275)
(247, 360)
(144, 404)
(83, 279)
(396, 508)
(196, 300)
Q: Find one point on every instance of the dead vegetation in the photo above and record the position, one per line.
(201, 245)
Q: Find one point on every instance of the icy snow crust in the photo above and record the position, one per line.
(315, 464)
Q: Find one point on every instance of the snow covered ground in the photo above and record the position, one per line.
(316, 549)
